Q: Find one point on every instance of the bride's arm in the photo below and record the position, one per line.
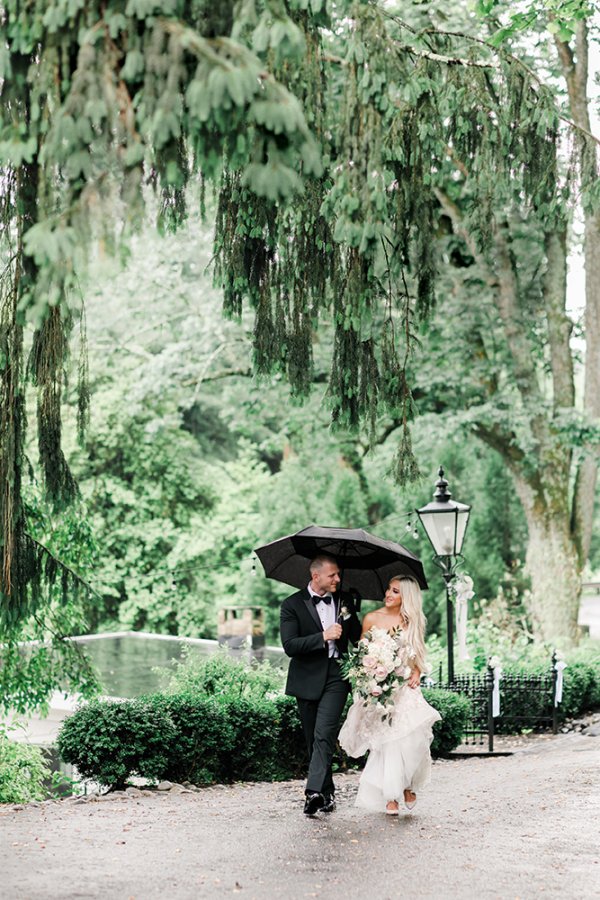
(415, 678)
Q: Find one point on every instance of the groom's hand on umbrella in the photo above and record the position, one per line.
(333, 632)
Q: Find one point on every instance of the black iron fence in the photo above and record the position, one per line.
(505, 704)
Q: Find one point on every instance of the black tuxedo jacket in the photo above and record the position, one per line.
(302, 639)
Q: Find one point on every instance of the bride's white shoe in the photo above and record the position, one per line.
(410, 804)
(391, 808)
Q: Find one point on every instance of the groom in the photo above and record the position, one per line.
(316, 625)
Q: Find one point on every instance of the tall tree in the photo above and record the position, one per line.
(522, 397)
(323, 142)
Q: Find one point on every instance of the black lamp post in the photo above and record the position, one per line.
(445, 523)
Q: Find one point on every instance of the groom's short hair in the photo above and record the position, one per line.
(319, 561)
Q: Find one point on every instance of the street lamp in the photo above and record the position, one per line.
(445, 523)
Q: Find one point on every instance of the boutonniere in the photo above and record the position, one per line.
(344, 613)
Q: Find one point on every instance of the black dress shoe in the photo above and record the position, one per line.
(313, 803)
(329, 804)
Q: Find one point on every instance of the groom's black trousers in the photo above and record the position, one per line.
(321, 724)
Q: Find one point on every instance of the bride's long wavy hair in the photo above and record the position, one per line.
(412, 612)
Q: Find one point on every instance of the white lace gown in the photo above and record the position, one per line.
(398, 746)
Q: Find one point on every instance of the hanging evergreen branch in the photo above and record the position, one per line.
(494, 47)
(317, 171)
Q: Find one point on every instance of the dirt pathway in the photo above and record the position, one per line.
(523, 826)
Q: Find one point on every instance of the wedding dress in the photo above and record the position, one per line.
(398, 746)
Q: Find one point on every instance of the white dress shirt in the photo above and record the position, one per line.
(326, 613)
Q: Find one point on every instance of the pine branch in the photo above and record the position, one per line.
(382, 436)
(218, 376)
(459, 61)
(63, 566)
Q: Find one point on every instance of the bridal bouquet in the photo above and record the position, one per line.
(378, 663)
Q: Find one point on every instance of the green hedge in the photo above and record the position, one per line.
(581, 689)
(23, 771)
(206, 738)
(109, 740)
(454, 710)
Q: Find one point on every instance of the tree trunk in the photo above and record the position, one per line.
(585, 484)
(575, 67)
(553, 566)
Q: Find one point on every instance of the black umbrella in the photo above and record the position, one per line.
(366, 562)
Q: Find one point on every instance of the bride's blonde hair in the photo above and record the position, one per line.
(412, 613)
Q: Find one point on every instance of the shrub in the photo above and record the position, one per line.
(255, 756)
(454, 710)
(182, 737)
(109, 740)
(521, 709)
(220, 674)
(234, 732)
(23, 771)
(203, 739)
(291, 747)
(524, 707)
(224, 739)
(581, 689)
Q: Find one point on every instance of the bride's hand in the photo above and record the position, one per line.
(415, 679)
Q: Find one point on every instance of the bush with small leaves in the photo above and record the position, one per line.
(235, 731)
(204, 738)
(221, 675)
(454, 710)
(522, 707)
(581, 689)
(23, 771)
(111, 740)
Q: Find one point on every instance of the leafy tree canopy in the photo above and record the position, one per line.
(324, 128)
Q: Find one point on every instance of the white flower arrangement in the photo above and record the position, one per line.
(378, 664)
(462, 587)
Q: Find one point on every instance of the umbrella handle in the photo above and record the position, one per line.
(357, 599)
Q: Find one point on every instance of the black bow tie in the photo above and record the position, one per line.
(326, 599)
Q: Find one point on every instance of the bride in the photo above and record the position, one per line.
(399, 762)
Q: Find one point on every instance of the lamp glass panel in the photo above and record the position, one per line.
(461, 527)
(441, 529)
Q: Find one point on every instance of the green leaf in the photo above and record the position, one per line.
(272, 180)
(134, 65)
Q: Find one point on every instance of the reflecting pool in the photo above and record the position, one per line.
(126, 660)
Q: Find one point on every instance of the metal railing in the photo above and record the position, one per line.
(506, 703)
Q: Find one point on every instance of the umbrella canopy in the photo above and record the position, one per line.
(366, 562)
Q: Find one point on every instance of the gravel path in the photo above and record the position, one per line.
(509, 828)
